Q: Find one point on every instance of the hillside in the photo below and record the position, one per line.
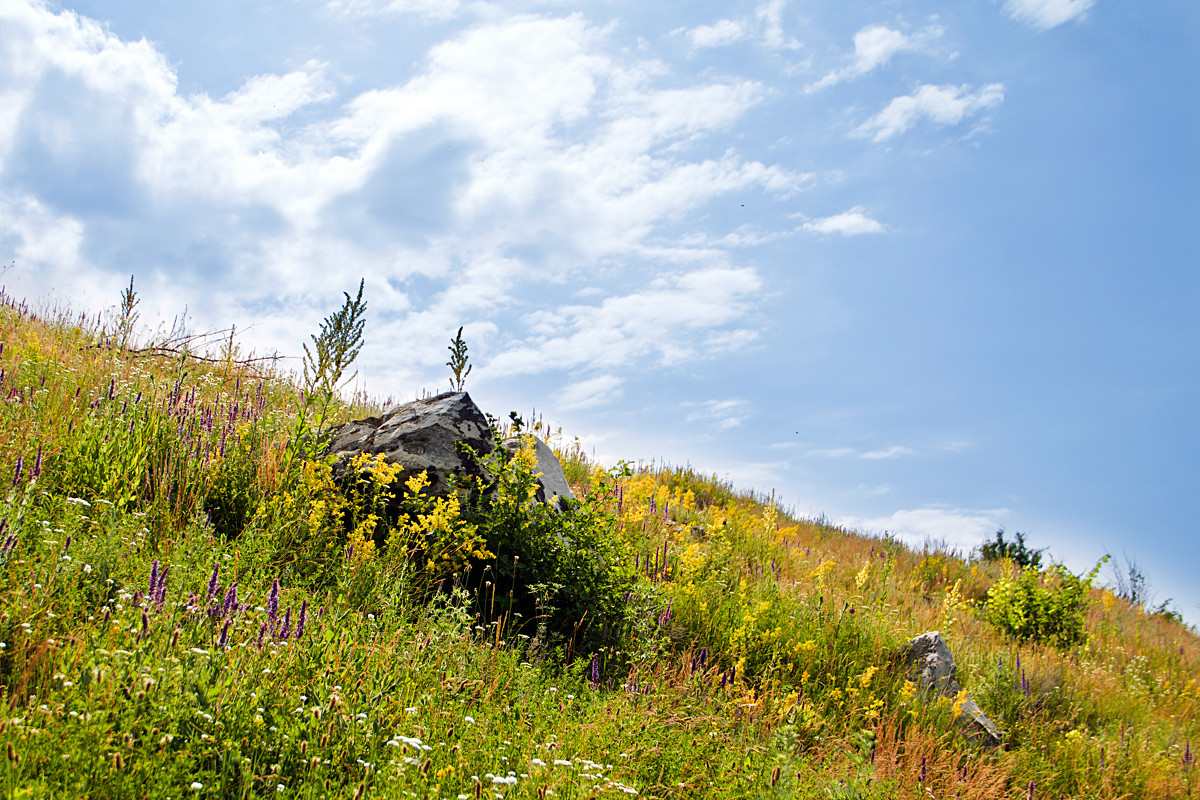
(193, 605)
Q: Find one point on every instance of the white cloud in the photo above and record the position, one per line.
(591, 392)
(770, 16)
(722, 414)
(849, 223)
(890, 452)
(723, 32)
(944, 105)
(960, 529)
(874, 46)
(431, 10)
(671, 320)
(1046, 14)
(564, 148)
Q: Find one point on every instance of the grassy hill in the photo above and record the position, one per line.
(192, 605)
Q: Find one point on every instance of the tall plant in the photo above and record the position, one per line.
(333, 350)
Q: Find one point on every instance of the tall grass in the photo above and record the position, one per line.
(185, 611)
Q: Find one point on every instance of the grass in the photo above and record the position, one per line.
(187, 611)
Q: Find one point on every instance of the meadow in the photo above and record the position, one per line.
(193, 603)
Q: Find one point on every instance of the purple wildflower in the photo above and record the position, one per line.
(67, 546)
(595, 671)
(1188, 758)
(231, 602)
(1030, 795)
(145, 625)
(160, 592)
(273, 602)
(37, 464)
(17, 473)
(262, 633)
(213, 586)
(223, 642)
(286, 630)
(924, 771)
(303, 620)
(152, 590)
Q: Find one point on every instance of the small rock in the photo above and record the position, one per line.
(553, 489)
(931, 665)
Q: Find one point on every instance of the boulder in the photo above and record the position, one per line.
(553, 489)
(421, 436)
(931, 665)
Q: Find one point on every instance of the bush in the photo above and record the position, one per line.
(1044, 607)
(568, 570)
(1017, 552)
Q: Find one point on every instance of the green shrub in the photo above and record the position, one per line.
(568, 571)
(1045, 607)
(1020, 555)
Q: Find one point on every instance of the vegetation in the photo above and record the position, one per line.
(187, 609)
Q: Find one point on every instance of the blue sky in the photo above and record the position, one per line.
(921, 267)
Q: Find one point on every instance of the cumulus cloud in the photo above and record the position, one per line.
(1046, 14)
(723, 32)
(767, 24)
(849, 223)
(874, 46)
(523, 149)
(943, 105)
(673, 319)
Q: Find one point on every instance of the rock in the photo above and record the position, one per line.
(421, 436)
(553, 489)
(931, 665)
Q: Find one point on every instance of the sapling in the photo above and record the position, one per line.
(333, 350)
(458, 362)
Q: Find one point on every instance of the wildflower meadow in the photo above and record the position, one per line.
(195, 603)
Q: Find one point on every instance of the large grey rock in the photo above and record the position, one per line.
(931, 665)
(553, 489)
(421, 436)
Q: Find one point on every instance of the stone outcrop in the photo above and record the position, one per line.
(553, 489)
(421, 436)
(931, 666)
(424, 435)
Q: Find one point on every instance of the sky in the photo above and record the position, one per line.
(920, 267)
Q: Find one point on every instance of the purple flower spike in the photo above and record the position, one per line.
(152, 590)
(262, 633)
(231, 602)
(37, 464)
(273, 603)
(213, 586)
(145, 625)
(17, 474)
(303, 620)
(67, 546)
(596, 671)
(286, 630)
(160, 593)
(924, 772)
(223, 642)
(1187, 755)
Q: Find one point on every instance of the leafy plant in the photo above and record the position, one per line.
(1042, 607)
(458, 362)
(128, 315)
(334, 349)
(1017, 551)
